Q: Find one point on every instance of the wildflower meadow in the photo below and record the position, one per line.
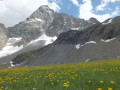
(101, 75)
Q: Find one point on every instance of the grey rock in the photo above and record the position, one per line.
(64, 48)
(34, 26)
(3, 36)
(63, 23)
(45, 20)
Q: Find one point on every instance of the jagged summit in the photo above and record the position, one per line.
(41, 28)
(43, 12)
(93, 20)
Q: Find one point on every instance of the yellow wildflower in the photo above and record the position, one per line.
(99, 88)
(109, 88)
(112, 82)
(52, 83)
(66, 85)
(101, 81)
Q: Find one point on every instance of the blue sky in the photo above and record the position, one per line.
(110, 8)
(14, 11)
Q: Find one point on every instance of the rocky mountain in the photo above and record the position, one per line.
(3, 36)
(33, 27)
(41, 28)
(45, 21)
(100, 41)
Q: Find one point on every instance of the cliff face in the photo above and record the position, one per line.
(3, 36)
(45, 21)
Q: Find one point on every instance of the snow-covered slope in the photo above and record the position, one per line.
(107, 21)
(45, 38)
(10, 48)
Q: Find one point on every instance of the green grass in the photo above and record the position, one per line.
(76, 76)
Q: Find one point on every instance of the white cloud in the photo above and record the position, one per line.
(104, 3)
(75, 2)
(54, 6)
(116, 12)
(14, 11)
(85, 12)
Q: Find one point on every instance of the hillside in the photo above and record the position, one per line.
(41, 28)
(99, 41)
(102, 75)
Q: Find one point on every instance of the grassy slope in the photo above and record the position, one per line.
(102, 75)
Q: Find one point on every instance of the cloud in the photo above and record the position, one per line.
(75, 2)
(14, 11)
(116, 12)
(86, 12)
(54, 6)
(104, 3)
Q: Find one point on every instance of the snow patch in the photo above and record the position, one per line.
(47, 39)
(87, 60)
(83, 27)
(17, 39)
(107, 22)
(108, 40)
(49, 11)
(90, 42)
(12, 65)
(33, 20)
(77, 46)
(75, 28)
(9, 49)
(40, 20)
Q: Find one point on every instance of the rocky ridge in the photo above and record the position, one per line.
(98, 42)
(41, 28)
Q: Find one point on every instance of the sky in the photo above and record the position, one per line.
(14, 11)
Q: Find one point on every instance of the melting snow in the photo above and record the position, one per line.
(87, 60)
(107, 22)
(49, 11)
(77, 46)
(75, 28)
(90, 42)
(46, 38)
(40, 20)
(12, 65)
(108, 40)
(9, 49)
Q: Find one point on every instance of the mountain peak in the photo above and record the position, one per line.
(44, 7)
(93, 20)
(42, 12)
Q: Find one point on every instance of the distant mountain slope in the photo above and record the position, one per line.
(100, 41)
(41, 28)
(45, 21)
